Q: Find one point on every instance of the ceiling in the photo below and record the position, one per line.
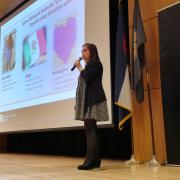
(8, 5)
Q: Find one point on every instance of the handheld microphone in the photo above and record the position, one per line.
(72, 69)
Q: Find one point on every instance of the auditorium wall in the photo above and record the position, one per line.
(141, 118)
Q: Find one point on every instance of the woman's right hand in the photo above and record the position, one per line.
(77, 63)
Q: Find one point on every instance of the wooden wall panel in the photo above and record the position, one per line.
(141, 129)
(141, 118)
(159, 134)
(8, 5)
(152, 52)
(149, 8)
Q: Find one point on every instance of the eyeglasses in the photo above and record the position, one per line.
(84, 50)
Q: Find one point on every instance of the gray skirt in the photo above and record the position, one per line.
(99, 111)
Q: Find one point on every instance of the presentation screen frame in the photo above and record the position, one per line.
(13, 13)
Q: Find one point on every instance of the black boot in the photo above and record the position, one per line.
(90, 164)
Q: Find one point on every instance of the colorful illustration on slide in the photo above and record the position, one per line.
(34, 49)
(64, 39)
(9, 52)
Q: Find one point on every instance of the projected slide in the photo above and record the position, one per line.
(38, 49)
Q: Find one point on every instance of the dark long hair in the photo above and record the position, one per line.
(94, 56)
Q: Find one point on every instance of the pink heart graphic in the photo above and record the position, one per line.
(64, 38)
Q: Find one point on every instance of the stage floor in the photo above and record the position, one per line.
(27, 167)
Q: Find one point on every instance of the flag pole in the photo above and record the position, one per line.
(153, 161)
(132, 160)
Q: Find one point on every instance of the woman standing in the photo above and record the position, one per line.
(91, 103)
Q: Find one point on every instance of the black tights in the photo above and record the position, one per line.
(92, 139)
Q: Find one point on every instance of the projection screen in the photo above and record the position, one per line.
(38, 46)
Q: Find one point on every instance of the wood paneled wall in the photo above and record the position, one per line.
(141, 118)
(8, 5)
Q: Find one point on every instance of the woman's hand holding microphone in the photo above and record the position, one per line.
(78, 65)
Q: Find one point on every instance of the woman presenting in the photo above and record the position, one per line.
(91, 103)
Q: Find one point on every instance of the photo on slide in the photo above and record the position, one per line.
(64, 38)
(9, 45)
(34, 49)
